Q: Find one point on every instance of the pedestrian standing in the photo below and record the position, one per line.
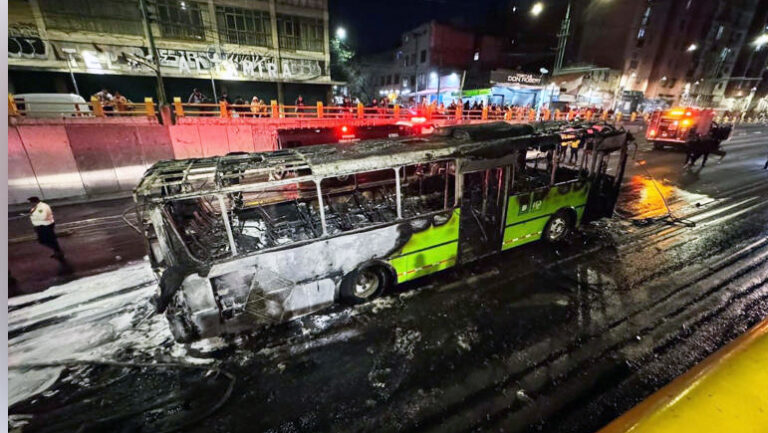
(196, 97)
(574, 152)
(120, 102)
(42, 220)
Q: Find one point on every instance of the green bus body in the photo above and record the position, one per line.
(437, 248)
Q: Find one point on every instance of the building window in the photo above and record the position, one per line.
(300, 33)
(315, 4)
(413, 59)
(397, 78)
(244, 26)
(99, 16)
(423, 56)
(389, 79)
(180, 20)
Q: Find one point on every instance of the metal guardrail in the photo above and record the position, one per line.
(395, 112)
(273, 110)
(18, 106)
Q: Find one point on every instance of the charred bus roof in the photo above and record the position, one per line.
(179, 179)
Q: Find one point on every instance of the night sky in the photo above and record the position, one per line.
(376, 25)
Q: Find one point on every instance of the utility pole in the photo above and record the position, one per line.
(562, 38)
(161, 99)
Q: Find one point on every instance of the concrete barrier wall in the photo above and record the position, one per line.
(61, 159)
(52, 160)
(79, 160)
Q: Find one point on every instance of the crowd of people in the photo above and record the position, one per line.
(257, 107)
(112, 102)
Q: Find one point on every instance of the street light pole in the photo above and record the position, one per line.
(72, 74)
(565, 28)
(161, 99)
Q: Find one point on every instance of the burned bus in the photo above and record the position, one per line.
(245, 240)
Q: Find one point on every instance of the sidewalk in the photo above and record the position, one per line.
(92, 235)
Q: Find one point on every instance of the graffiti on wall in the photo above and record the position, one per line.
(245, 63)
(24, 42)
(212, 62)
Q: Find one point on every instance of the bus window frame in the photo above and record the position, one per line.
(321, 204)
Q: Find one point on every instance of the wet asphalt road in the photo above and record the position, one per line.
(536, 339)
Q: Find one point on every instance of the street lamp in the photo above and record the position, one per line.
(537, 9)
(341, 33)
(760, 41)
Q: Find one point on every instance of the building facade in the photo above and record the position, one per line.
(275, 49)
(433, 62)
(670, 51)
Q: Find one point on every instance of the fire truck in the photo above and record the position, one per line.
(680, 126)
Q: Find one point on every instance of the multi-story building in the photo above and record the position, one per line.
(671, 51)
(275, 49)
(432, 60)
(749, 81)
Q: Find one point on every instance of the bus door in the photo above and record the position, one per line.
(482, 204)
(605, 174)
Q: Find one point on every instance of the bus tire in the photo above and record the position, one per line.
(657, 146)
(364, 284)
(559, 227)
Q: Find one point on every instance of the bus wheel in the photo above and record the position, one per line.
(657, 146)
(558, 227)
(364, 284)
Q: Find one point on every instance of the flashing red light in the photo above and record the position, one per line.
(344, 129)
(652, 133)
(418, 119)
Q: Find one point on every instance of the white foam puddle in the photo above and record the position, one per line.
(90, 319)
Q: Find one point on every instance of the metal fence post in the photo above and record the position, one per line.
(457, 115)
(397, 111)
(319, 109)
(178, 108)
(13, 110)
(275, 109)
(484, 115)
(223, 109)
(150, 107)
(360, 112)
(98, 109)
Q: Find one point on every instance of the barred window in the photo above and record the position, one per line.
(99, 16)
(180, 20)
(244, 26)
(300, 33)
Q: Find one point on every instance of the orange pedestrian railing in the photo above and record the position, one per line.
(273, 110)
(57, 108)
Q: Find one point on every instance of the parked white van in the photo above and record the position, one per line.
(52, 105)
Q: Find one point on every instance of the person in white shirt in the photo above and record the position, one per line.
(42, 220)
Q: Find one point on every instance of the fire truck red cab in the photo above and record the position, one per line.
(678, 126)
